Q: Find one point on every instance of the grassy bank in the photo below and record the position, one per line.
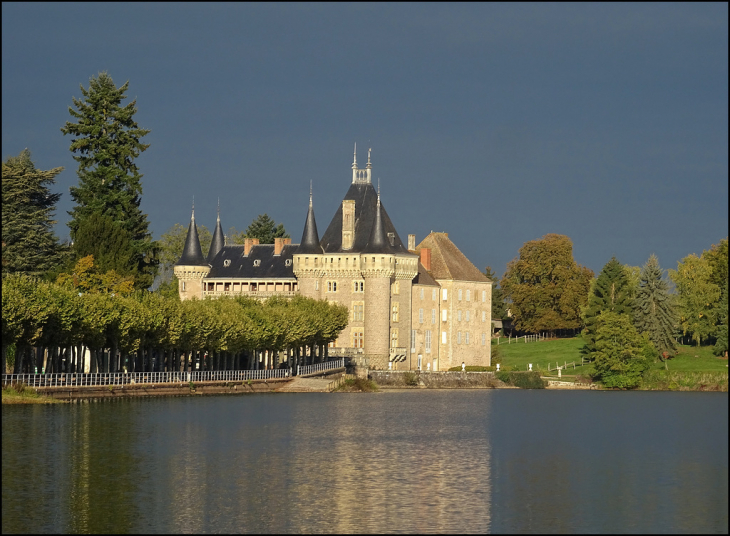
(683, 380)
(357, 385)
(20, 394)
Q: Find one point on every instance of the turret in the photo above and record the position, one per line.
(307, 259)
(192, 266)
(218, 239)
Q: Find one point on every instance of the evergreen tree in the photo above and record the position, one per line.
(655, 314)
(263, 228)
(28, 242)
(721, 335)
(610, 292)
(499, 307)
(106, 143)
(109, 243)
(621, 355)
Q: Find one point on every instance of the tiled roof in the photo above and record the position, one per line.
(424, 278)
(192, 253)
(366, 200)
(447, 262)
(243, 267)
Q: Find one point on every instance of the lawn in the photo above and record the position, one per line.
(541, 353)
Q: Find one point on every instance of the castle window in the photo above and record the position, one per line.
(467, 316)
(257, 262)
(458, 315)
(433, 294)
(316, 285)
(420, 316)
(443, 315)
(484, 339)
(445, 294)
(413, 341)
(394, 314)
(484, 295)
(433, 316)
(484, 316)
(358, 339)
(421, 293)
(357, 311)
(287, 262)
(391, 239)
(458, 337)
(428, 341)
(468, 295)
(459, 294)
(396, 287)
(466, 337)
(331, 286)
(183, 285)
(359, 286)
(394, 338)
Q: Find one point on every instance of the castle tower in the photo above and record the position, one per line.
(308, 262)
(192, 266)
(361, 176)
(378, 269)
(218, 239)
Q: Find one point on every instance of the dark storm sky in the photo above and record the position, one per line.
(498, 123)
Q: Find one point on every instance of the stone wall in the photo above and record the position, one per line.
(435, 380)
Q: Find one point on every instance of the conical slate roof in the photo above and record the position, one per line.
(366, 200)
(310, 237)
(192, 252)
(218, 241)
(378, 240)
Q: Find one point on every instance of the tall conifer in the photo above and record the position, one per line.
(655, 313)
(106, 143)
(610, 292)
(28, 242)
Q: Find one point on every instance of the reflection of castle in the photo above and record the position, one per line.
(424, 306)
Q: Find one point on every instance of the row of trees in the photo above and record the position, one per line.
(124, 327)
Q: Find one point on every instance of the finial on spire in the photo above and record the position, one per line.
(219, 209)
(354, 158)
(370, 149)
(193, 217)
(378, 191)
(310, 193)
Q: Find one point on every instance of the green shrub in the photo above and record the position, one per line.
(496, 355)
(409, 378)
(503, 376)
(527, 380)
(472, 368)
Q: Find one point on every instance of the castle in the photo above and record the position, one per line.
(424, 307)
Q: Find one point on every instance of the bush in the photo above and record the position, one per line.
(503, 376)
(496, 355)
(472, 368)
(409, 378)
(523, 380)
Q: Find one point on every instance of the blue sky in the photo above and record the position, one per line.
(497, 123)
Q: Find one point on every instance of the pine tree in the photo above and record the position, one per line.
(110, 244)
(28, 242)
(263, 228)
(499, 307)
(654, 313)
(610, 292)
(106, 143)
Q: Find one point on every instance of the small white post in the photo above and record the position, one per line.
(390, 365)
(497, 367)
(559, 375)
(530, 366)
(463, 367)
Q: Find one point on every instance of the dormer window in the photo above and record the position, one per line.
(227, 263)
(287, 262)
(391, 239)
(257, 262)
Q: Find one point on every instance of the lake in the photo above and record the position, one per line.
(395, 461)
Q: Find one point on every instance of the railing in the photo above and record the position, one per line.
(320, 367)
(339, 351)
(252, 293)
(130, 378)
(331, 386)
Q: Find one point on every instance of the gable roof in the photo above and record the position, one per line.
(424, 278)
(366, 200)
(447, 262)
(242, 266)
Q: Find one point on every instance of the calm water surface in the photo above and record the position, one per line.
(403, 461)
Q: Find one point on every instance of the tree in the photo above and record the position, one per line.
(717, 257)
(721, 335)
(621, 355)
(106, 143)
(655, 313)
(611, 292)
(29, 244)
(697, 297)
(545, 286)
(499, 307)
(109, 244)
(263, 228)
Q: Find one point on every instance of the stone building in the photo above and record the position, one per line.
(411, 307)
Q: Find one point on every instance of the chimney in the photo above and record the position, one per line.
(287, 241)
(248, 243)
(348, 223)
(411, 242)
(426, 258)
(278, 245)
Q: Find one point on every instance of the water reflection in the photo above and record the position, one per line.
(415, 461)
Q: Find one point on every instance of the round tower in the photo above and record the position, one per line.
(308, 262)
(192, 267)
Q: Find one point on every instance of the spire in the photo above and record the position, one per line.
(310, 238)
(354, 158)
(369, 166)
(192, 253)
(378, 241)
(218, 239)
